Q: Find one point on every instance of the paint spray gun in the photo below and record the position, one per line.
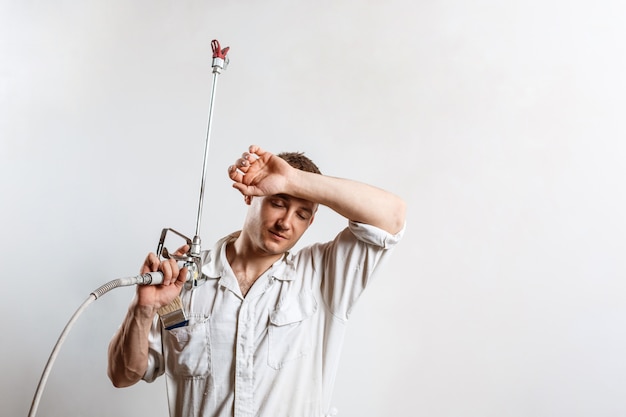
(171, 315)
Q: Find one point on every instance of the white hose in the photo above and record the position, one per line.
(149, 278)
(55, 352)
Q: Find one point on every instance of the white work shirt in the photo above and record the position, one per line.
(274, 352)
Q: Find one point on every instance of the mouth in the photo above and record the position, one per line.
(277, 235)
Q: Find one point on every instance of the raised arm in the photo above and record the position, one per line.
(259, 172)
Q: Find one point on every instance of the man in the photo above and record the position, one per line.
(265, 325)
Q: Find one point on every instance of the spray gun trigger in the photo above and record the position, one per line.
(179, 258)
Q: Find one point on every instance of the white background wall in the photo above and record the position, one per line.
(501, 124)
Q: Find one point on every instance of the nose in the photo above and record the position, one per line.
(284, 222)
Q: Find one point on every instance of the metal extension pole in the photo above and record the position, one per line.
(220, 62)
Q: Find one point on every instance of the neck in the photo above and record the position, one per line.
(247, 263)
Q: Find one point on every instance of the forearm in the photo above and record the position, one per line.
(128, 350)
(352, 199)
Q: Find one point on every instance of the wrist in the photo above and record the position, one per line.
(142, 312)
(298, 184)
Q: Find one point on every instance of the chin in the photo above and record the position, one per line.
(275, 248)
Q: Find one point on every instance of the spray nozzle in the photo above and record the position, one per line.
(220, 60)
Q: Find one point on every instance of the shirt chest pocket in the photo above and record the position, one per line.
(188, 349)
(291, 331)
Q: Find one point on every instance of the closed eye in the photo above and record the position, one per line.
(277, 203)
(303, 215)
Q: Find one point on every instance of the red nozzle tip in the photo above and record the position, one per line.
(217, 51)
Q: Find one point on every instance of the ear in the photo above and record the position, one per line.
(247, 199)
(314, 213)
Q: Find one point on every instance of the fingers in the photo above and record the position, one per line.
(169, 268)
(242, 165)
(244, 189)
(249, 158)
(151, 264)
(238, 170)
(251, 162)
(166, 268)
(235, 174)
(182, 250)
(182, 277)
(255, 149)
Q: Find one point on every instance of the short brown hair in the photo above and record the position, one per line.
(299, 161)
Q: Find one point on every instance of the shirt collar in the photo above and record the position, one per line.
(214, 262)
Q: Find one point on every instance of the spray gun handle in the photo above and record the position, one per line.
(192, 263)
(191, 259)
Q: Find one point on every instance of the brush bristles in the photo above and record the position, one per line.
(173, 315)
(176, 304)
